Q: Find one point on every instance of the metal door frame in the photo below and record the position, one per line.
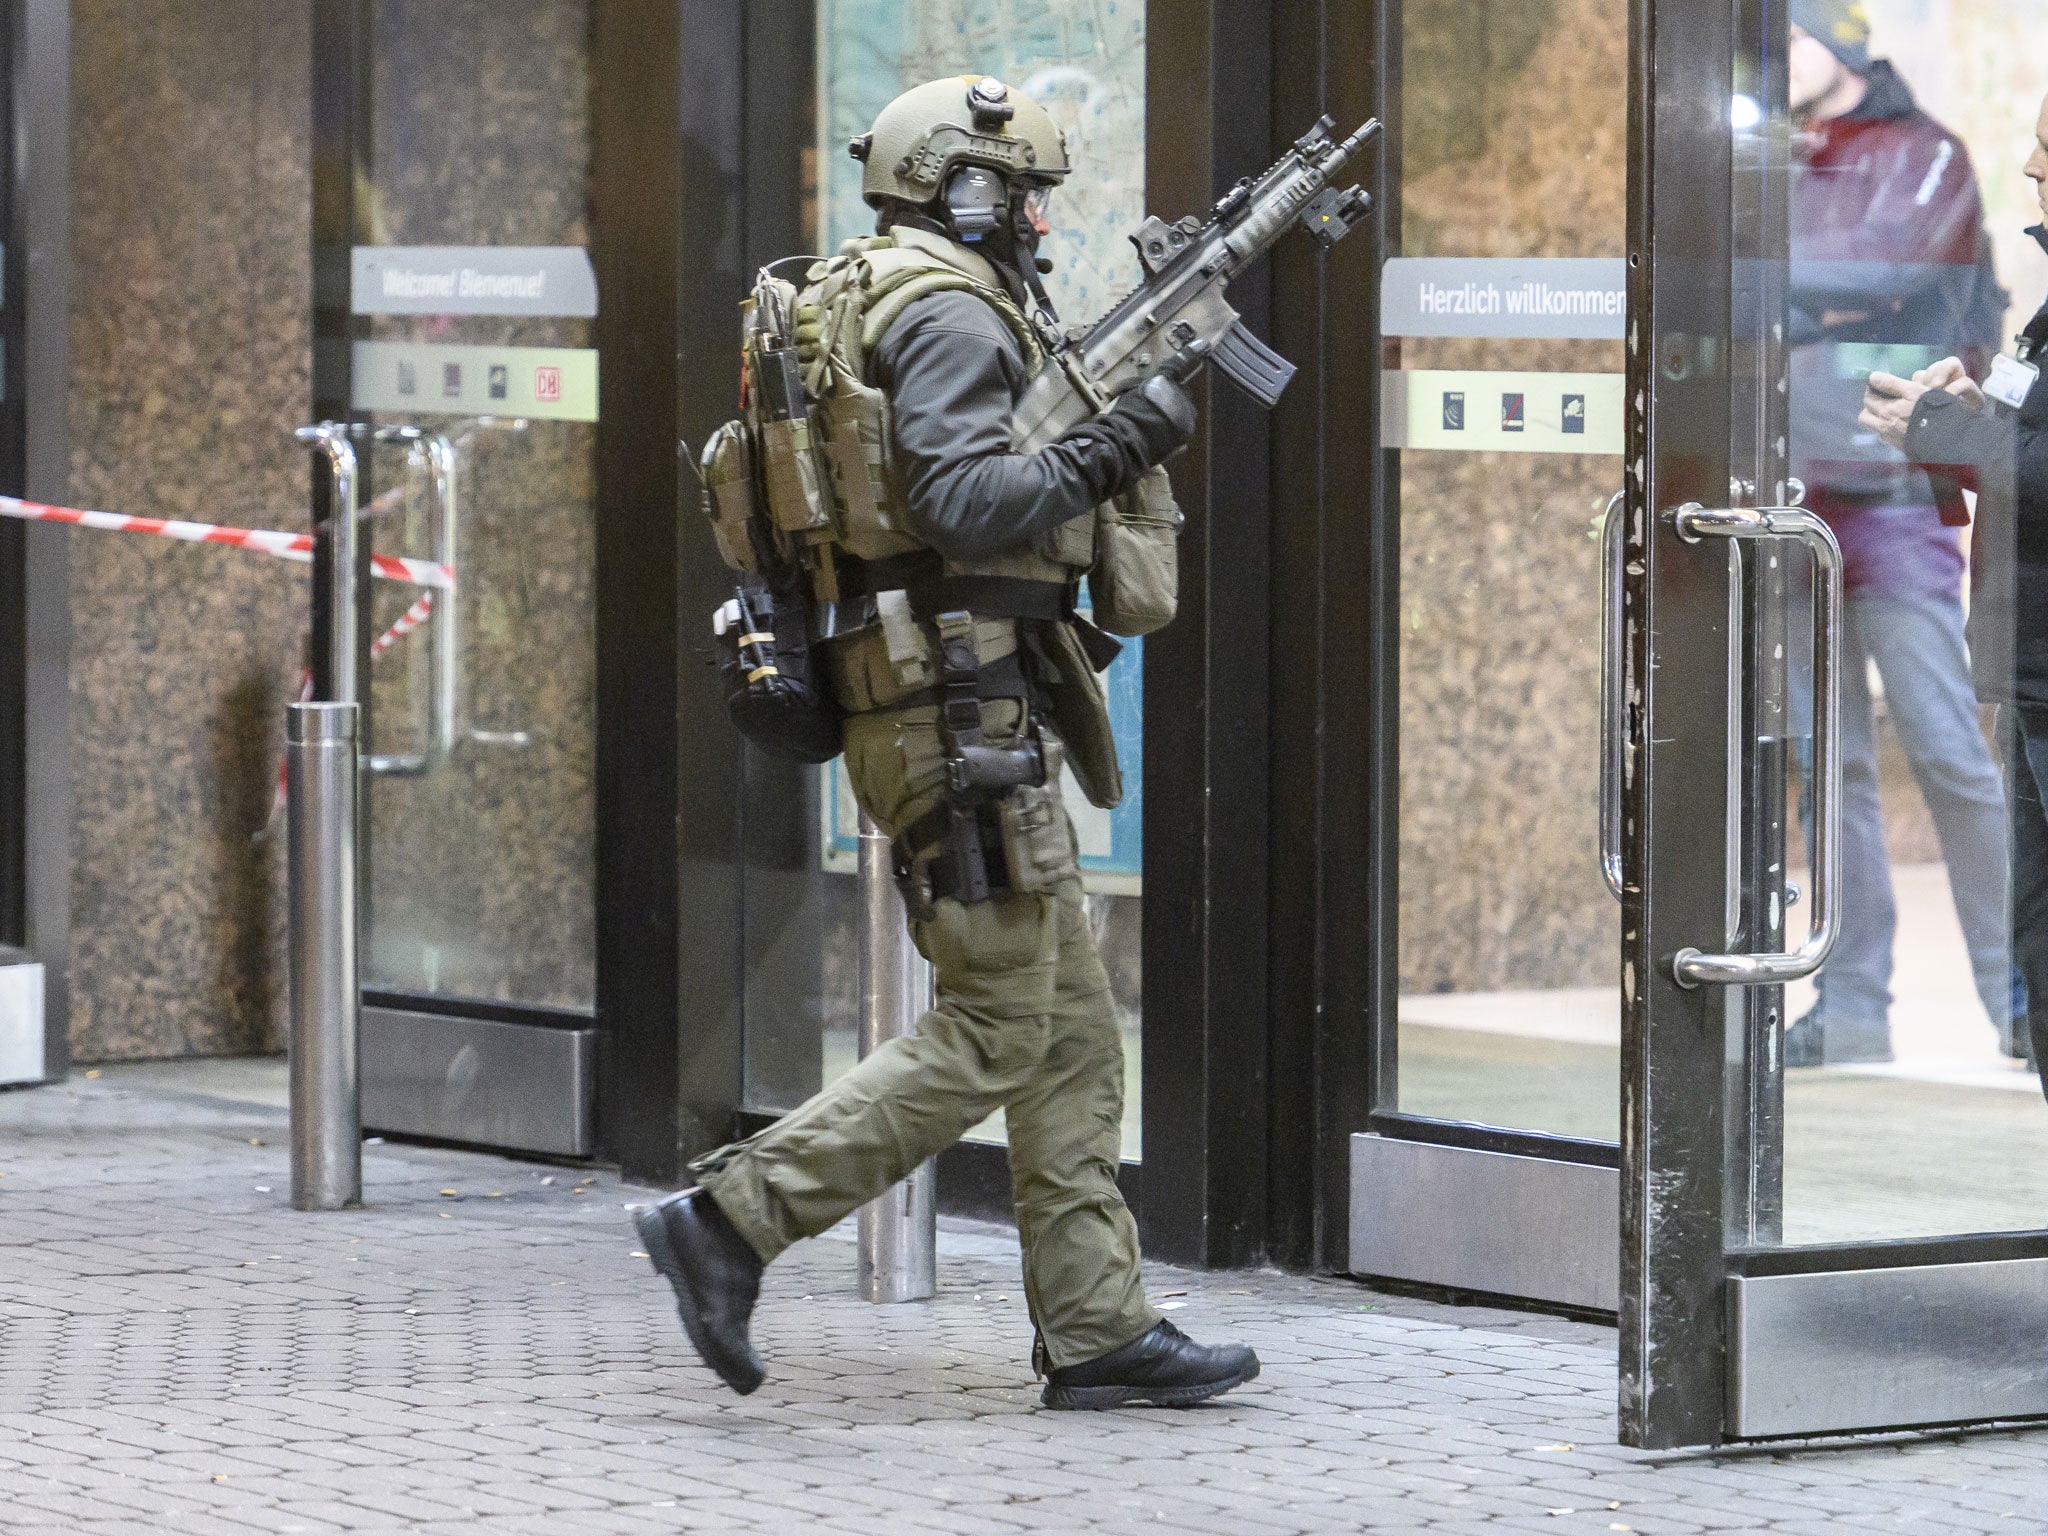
(35, 582)
(1721, 1340)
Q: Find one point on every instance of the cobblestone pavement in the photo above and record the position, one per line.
(483, 1351)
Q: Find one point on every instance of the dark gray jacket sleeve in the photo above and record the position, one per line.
(2008, 452)
(953, 373)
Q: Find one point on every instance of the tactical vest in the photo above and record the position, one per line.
(804, 482)
(814, 483)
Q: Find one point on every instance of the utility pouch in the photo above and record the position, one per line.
(1134, 586)
(854, 419)
(738, 521)
(1038, 841)
(1073, 543)
(789, 470)
(1080, 712)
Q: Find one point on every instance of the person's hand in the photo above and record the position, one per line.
(1949, 374)
(1160, 415)
(1888, 402)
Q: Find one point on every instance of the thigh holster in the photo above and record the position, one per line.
(989, 831)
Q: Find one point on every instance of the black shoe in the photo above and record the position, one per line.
(716, 1276)
(1164, 1366)
(1815, 1040)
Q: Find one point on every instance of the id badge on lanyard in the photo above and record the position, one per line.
(2011, 381)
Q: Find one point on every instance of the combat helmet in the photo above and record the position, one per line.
(925, 134)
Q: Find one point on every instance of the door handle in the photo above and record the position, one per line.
(331, 438)
(444, 629)
(1692, 967)
(1613, 733)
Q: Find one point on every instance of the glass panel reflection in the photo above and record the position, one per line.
(1910, 1104)
(1504, 319)
(482, 866)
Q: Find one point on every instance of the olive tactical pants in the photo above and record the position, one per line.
(1023, 1023)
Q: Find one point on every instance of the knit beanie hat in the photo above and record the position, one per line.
(1840, 26)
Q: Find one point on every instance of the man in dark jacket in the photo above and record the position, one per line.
(1997, 435)
(1891, 269)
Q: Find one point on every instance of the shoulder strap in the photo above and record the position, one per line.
(903, 276)
(850, 302)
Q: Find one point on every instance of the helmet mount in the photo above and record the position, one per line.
(988, 99)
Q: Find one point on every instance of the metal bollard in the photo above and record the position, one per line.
(899, 1230)
(344, 534)
(321, 767)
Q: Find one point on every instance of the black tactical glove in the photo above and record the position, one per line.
(1162, 415)
(1142, 428)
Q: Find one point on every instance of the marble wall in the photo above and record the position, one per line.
(191, 349)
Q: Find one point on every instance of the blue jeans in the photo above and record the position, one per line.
(1917, 644)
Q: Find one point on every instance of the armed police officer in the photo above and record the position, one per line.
(934, 609)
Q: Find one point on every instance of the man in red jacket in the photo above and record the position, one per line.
(1891, 270)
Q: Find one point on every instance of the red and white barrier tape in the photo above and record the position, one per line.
(404, 624)
(285, 546)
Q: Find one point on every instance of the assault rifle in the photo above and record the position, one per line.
(1178, 317)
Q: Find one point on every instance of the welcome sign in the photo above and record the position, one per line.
(1551, 298)
(472, 280)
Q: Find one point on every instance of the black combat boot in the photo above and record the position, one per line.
(1164, 1366)
(715, 1274)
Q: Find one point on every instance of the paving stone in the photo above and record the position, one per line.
(515, 1369)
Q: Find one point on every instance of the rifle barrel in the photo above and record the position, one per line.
(1360, 139)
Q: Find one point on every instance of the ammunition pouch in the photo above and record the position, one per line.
(1134, 587)
(795, 489)
(855, 421)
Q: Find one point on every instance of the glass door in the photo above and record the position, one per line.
(1835, 1210)
(471, 381)
(1490, 1160)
